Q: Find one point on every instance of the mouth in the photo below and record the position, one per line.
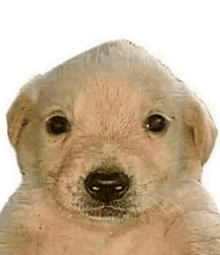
(107, 211)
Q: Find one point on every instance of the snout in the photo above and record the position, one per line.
(106, 187)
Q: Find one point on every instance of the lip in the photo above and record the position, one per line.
(106, 211)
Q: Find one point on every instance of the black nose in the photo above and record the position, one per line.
(107, 187)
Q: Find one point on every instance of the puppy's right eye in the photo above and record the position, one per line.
(58, 125)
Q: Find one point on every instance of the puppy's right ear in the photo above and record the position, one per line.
(17, 114)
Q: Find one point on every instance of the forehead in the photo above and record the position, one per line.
(115, 75)
(106, 97)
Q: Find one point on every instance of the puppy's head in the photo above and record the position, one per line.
(109, 133)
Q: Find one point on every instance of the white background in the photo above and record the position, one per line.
(37, 35)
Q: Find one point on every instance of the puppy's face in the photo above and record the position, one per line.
(108, 144)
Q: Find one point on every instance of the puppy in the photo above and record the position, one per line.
(111, 147)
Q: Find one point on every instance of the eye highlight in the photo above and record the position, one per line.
(57, 125)
(155, 123)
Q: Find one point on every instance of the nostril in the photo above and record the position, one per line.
(107, 187)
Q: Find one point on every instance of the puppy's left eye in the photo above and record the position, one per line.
(58, 125)
(155, 123)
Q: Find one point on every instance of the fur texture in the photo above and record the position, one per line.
(109, 101)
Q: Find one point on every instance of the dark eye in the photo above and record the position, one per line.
(155, 123)
(58, 125)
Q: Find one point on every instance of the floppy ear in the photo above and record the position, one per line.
(16, 118)
(202, 129)
(17, 114)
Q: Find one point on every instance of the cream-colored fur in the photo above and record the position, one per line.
(106, 98)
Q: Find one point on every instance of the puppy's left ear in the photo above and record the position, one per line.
(202, 129)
